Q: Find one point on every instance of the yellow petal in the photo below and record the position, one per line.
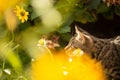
(17, 14)
(26, 18)
(22, 9)
(22, 20)
(26, 13)
(20, 17)
(42, 42)
(17, 7)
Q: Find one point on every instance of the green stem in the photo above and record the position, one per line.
(12, 36)
(49, 53)
(3, 65)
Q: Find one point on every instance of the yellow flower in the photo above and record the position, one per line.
(42, 42)
(21, 14)
(64, 67)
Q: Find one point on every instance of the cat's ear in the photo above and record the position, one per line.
(80, 35)
(78, 32)
(76, 29)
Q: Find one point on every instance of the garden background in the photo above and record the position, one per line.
(29, 28)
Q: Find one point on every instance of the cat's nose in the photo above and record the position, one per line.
(67, 47)
(69, 50)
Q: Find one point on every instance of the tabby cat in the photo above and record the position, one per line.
(107, 51)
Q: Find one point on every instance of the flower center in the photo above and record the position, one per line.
(22, 13)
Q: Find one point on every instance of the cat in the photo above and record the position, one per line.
(107, 51)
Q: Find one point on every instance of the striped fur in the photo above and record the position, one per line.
(107, 51)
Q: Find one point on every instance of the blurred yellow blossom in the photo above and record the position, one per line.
(10, 19)
(6, 4)
(21, 14)
(65, 67)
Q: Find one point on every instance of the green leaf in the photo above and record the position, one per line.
(102, 8)
(93, 4)
(65, 36)
(90, 17)
(33, 15)
(8, 52)
(24, 26)
(117, 10)
(64, 29)
(67, 9)
(3, 31)
(85, 17)
(81, 19)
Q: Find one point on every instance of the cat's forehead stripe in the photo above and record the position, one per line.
(78, 36)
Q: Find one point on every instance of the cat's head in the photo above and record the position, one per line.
(81, 39)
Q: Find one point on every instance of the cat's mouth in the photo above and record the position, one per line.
(72, 51)
(68, 47)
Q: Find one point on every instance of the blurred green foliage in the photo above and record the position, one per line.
(19, 46)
